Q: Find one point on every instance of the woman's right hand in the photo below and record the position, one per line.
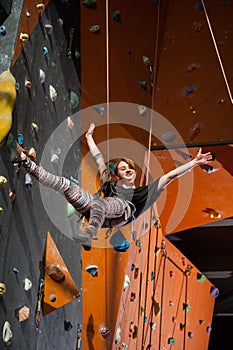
(90, 130)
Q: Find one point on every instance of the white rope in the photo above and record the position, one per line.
(217, 52)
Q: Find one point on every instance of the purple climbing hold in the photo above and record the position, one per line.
(214, 292)
(189, 89)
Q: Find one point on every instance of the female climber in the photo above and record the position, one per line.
(122, 202)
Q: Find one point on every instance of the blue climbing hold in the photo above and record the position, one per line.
(20, 139)
(142, 84)
(2, 31)
(45, 51)
(117, 16)
(123, 247)
(189, 89)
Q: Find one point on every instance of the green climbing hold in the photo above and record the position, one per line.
(89, 3)
(200, 277)
(74, 99)
(70, 210)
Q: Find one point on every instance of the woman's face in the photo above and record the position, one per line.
(126, 173)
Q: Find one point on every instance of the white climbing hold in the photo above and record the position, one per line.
(7, 334)
(126, 282)
(141, 109)
(42, 76)
(118, 335)
(52, 93)
(54, 158)
(95, 28)
(146, 60)
(28, 180)
(27, 284)
(70, 123)
(35, 127)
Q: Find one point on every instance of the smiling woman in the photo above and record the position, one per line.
(121, 202)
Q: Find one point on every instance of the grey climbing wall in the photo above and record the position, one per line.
(24, 222)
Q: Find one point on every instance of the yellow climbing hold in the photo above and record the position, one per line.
(7, 102)
(1, 210)
(3, 181)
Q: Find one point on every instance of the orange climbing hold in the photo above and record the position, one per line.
(57, 291)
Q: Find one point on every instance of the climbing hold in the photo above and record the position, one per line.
(28, 15)
(132, 296)
(54, 158)
(95, 28)
(182, 326)
(70, 123)
(190, 335)
(208, 329)
(172, 274)
(2, 289)
(156, 307)
(74, 180)
(153, 325)
(200, 277)
(214, 292)
(3, 181)
(136, 272)
(60, 22)
(189, 89)
(141, 110)
(197, 26)
(123, 247)
(45, 51)
(186, 307)
(7, 334)
(1, 210)
(117, 335)
(67, 326)
(42, 76)
(28, 180)
(132, 267)
(152, 277)
(23, 37)
(15, 270)
(142, 84)
(171, 341)
(27, 284)
(20, 139)
(22, 313)
(117, 16)
(74, 99)
(195, 130)
(7, 101)
(99, 109)
(174, 319)
(201, 322)
(12, 196)
(126, 282)
(183, 260)
(55, 272)
(70, 210)
(146, 60)
(193, 66)
(77, 54)
(49, 28)
(40, 7)
(28, 84)
(53, 298)
(52, 93)
(92, 270)
(105, 332)
(89, 3)
(2, 31)
(169, 136)
(35, 127)
(171, 303)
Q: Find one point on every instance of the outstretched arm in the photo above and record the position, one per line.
(200, 159)
(98, 157)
